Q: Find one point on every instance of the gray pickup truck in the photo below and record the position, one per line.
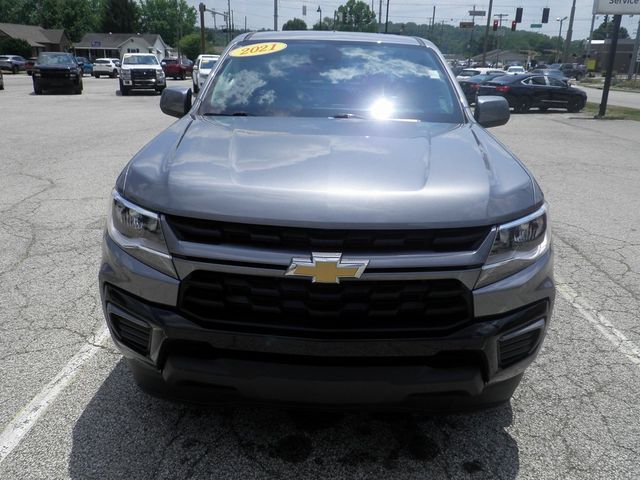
(328, 224)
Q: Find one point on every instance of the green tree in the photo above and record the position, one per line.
(605, 30)
(295, 24)
(172, 19)
(15, 46)
(76, 17)
(356, 16)
(25, 12)
(190, 45)
(120, 16)
(327, 24)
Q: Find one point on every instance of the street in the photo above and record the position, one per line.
(616, 97)
(69, 407)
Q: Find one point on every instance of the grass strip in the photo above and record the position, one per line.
(614, 112)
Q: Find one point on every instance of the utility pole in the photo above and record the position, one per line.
(275, 15)
(567, 42)
(433, 22)
(498, 33)
(610, 61)
(202, 8)
(486, 34)
(228, 21)
(558, 56)
(379, 17)
(386, 22)
(245, 23)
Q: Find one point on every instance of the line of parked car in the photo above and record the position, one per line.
(541, 88)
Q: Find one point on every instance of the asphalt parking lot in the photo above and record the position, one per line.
(69, 407)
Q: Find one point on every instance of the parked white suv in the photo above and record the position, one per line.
(141, 71)
(201, 69)
(105, 66)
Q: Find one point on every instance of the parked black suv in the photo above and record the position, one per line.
(57, 70)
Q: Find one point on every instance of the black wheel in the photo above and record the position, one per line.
(114, 74)
(37, 89)
(97, 75)
(182, 76)
(522, 106)
(543, 108)
(15, 69)
(575, 105)
(78, 89)
(124, 91)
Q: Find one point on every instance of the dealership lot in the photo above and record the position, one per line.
(574, 416)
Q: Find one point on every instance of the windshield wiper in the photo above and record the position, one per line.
(234, 114)
(347, 115)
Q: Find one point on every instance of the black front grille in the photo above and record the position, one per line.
(310, 239)
(299, 308)
(55, 73)
(134, 334)
(517, 348)
(143, 74)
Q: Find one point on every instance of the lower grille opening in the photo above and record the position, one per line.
(204, 351)
(515, 347)
(134, 334)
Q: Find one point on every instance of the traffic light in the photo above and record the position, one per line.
(518, 15)
(495, 25)
(513, 26)
(545, 15)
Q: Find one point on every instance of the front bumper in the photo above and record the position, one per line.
(475, 366)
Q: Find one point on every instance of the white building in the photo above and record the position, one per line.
(114, 45)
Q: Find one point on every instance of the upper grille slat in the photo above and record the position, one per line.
(346, 241)
(351, 309)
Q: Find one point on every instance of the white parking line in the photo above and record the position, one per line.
(18, 428)
(604, 326)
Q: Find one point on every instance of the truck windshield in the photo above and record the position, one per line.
(55, 59)
(140, 60)
(333, 79)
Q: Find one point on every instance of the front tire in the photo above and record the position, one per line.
(124, 91)
(37, 89)
(78, 89)
(97, 75)
(113, 74)
(575, 105)
(15, 69)
(522, 106)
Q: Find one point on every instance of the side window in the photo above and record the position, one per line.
(554, 82)
(538, 81)
(527, 81)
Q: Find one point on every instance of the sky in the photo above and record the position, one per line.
(259, 13)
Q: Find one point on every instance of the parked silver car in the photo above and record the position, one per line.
(328, 223)
(12, 63)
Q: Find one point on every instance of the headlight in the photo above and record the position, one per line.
(138, 231)
(36, 73)
(160, 74)
(126, 73)
(517, 245)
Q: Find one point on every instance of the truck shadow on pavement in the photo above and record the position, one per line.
(124, 433)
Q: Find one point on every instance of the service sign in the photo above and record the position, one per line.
(616, 7)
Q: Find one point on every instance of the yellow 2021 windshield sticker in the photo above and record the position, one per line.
(258, 49)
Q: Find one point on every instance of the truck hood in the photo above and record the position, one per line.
(330, 172)
(141, 67)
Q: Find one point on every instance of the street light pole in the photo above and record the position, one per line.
(386, 22)
(559, 38)
(319, 10)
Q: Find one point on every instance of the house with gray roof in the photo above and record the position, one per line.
(114, 45)
(40, 39)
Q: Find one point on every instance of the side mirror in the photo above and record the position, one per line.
(164, 64)
(176, 101)
(491, 111)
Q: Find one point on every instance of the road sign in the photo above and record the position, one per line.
(616, 7)
(536, 25)
(478, 13)
(467, 24)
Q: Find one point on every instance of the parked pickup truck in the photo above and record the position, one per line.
(177, 67)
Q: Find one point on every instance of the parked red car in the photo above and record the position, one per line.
(177, 67)
(28, 65)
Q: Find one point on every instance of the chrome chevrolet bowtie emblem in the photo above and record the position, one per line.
(326, 267)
